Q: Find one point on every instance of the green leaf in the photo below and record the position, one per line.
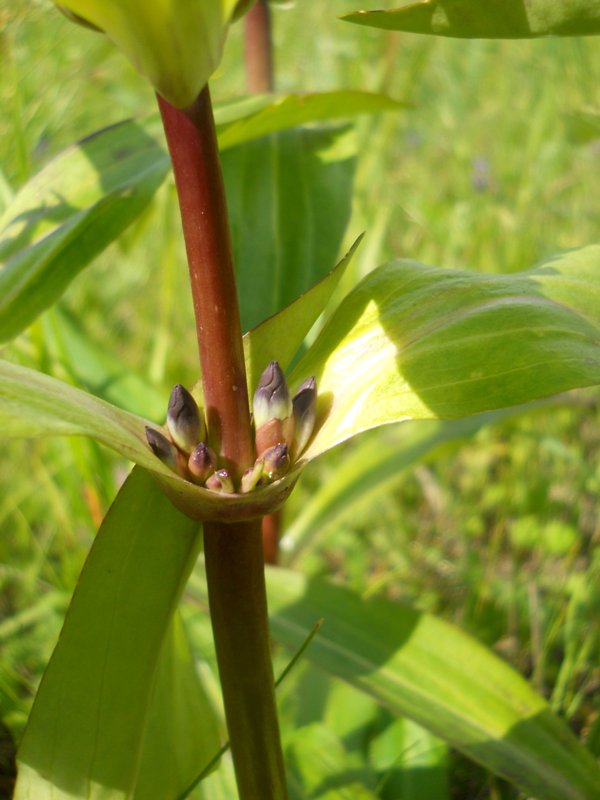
(68, 213)
(426, 669)
(182, 729)
(280, 336)
(87, 196)
(317, 759)
(419, 342)
(97, 728)
(289, 111)
(175, 44)
(490, 19)
(94, 368)
(414, 763)
(290, 199)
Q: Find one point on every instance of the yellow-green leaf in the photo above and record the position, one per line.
(176, 44)
(419, 342)
(488, 19)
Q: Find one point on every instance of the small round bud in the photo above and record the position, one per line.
(202, 463)
(276, 461)
(220, 481)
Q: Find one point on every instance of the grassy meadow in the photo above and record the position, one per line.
(492, 166)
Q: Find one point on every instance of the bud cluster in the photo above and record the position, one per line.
(283, 425)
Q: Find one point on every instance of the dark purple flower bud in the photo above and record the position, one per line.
(304, 403)
(162, 448)
(202, 463)
(220, 481)
(276, 461)
(183, 419)
(272, 397)
(251, 476)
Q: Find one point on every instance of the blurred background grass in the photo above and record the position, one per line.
(493, 168)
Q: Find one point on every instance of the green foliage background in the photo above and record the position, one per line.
(493, 169)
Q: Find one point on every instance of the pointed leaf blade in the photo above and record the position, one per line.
(87, 730)
(289, 111)
(492, 19)
(426, 669)
(419, 342)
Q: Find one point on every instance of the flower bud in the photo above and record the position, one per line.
(202, 463)
(272, 397)
(162, 448)
(252, 475)
(304, 403)
(220, 481)
(276, 461)
(183, 420)
(272, 407)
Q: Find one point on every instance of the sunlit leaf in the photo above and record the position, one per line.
(419, 342)
(175, 44)
(488, 19)
(426, 669)
(109, 720)
(289, 111)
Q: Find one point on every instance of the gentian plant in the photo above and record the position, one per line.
(120, 712)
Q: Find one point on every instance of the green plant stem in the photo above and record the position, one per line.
(259, 49)
(238, 605)
(233, 552)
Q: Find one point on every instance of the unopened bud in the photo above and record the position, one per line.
(304, 403)
(220, 481)
(252, 475)
(272, 397)
(162, 448)
(276, 461)
(183, 419)
(275, 431)
(202, 463)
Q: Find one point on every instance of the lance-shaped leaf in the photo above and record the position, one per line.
(175, 44)
(424, 668)
(120, 713)
(419, 342)
(488, 19)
